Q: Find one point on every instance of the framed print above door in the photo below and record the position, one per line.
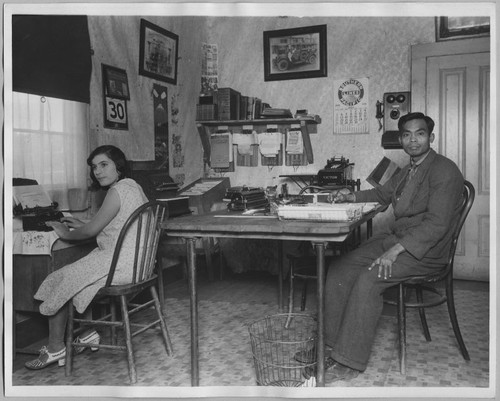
(295, 53)
(461, 27)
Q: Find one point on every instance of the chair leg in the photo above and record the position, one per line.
(128, 340)
(402, 330)
(69, 340)
(450, 300)
(421, 311)
(291, 293)
(161, 317)
(221, 264)
(303, 296)
(112, 310)
(161, 289)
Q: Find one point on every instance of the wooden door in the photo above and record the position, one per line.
(451, 83)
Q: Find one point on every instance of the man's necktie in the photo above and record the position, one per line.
(411, 172)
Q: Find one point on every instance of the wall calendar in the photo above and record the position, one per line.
(350, 107)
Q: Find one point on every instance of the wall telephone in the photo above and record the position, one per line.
(394, 105)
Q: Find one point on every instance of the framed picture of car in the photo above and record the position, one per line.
(295, 53)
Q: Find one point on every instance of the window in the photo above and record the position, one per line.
(50, 145)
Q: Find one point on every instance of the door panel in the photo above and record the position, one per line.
(456, 89)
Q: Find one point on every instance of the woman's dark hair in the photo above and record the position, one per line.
(416, 116)
(115, 154)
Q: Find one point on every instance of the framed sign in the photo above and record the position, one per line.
(115, 113)
(115, 82)
(158, 53)
(295, 53)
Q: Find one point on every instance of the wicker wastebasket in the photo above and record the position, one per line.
(274, 344)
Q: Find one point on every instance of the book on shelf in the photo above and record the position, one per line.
(228, 104)
(276, 113)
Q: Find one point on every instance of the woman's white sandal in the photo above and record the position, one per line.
(91, 338)
(47, 358)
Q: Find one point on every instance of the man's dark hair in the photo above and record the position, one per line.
(115, 154)
(416, 116)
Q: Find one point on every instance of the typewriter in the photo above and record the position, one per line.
(35, 207)
(245, 198)
(338, 171)
(34, 219)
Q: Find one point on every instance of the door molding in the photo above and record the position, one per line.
(420, 53)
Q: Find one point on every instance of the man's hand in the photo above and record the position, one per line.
(341, 196)
(385, 261)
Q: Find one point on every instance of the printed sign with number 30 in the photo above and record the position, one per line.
(116, 113)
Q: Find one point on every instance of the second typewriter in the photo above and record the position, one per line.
(244, 198)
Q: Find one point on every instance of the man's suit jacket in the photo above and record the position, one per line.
(427, 209)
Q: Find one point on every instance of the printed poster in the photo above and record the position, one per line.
(350, 106)
(209, 68)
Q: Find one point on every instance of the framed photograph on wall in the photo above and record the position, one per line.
(115, 82)
(295, 53)
(158, 53)
(461, 27)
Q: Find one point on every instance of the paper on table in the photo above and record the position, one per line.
(30, 196)
(34, 242)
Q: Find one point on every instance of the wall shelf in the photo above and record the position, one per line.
(207, 128)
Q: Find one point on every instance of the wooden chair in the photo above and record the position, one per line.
(422, 283)
(145, 223)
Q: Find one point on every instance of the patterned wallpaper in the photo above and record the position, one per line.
(374, 47)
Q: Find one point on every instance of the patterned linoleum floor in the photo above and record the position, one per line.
(226, 357)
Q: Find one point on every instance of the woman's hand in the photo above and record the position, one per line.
(71, 222)
(386, 261)
(60, 228)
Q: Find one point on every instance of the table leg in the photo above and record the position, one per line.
(320, 264)
(191, 262)
(280, 276)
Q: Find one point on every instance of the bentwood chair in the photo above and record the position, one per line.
(425, 283)
(145, 224)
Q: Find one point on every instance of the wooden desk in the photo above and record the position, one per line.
(234, 225)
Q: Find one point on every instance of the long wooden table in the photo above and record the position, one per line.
(234, 225)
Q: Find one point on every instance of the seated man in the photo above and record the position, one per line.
(426, 198)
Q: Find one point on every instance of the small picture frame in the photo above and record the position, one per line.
(115, 82)
(295, 53)
(158, 53)
(115, 113)
(448, 28)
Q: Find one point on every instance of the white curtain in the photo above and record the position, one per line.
(50, 145)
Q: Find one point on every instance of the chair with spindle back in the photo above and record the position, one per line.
(145, 224)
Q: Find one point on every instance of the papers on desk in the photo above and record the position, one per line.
(369, 206)
(34, 242)
(326, 212)
(31, 196)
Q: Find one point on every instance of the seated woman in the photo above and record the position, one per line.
(79, 282)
